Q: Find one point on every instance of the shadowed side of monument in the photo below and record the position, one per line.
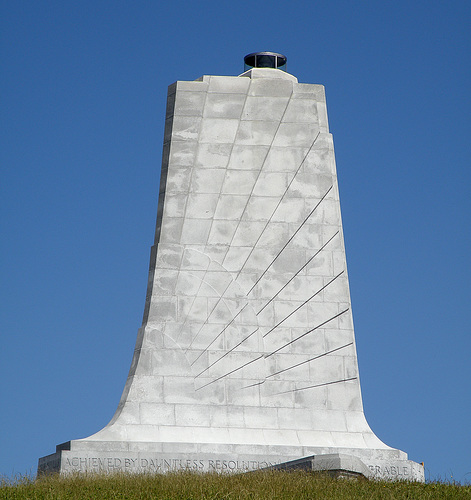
(246, 356)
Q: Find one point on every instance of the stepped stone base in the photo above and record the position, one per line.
(336, 465)
(138, 457)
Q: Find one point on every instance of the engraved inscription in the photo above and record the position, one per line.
(151, 464)
(390, 470)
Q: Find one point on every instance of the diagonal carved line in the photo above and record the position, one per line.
(299, 364)
(279, 291)
(210, 314)
(267, 223)
(252, 385)
(186, 205)
(229, 373)
(186, 202)
(226, 353)
(291, 279)
(317, 385)
(311, 359)
(312, 296)
(294, 234)
(263, 164)
(303, 304)
(309, 331)
(276, 208)
(218, 335)
(195, 296)
(296, 274)
(245, 208)
(267, 356)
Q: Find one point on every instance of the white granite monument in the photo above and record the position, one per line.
(246, 356)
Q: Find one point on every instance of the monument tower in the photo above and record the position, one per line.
(246, 355)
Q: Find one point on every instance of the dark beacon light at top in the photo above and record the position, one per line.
(265, 60)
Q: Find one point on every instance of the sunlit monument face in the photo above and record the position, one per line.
(246, 356)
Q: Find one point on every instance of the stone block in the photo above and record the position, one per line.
(301, 111)
(175, 205)
(170, 231)
(224, 105)
(231, 207)
(290, 134)
(185, 128)
(271, 184)
(239, 182)
(247, 157)
(208, 180)
(269, 87)
(181, 86)
(256, 133)
(182, 153)
(189, 103)
(150, 413)
(222, 232)
(286, 159)
(264, 108)
(195, 231)
(228, 85)
(213, 155)
(178, 180)
(218, 130)
(201, 205)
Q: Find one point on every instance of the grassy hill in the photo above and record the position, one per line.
(258, 485)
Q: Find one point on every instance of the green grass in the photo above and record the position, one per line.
(258, 485)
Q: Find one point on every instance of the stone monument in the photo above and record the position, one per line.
(246, 355)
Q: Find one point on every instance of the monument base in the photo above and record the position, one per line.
(140, 457)
(335, 465)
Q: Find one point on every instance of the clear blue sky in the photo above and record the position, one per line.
(83, 94)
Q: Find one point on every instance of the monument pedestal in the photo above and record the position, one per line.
(138, 457)
(246, 356)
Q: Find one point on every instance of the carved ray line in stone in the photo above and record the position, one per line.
(194, 298)
(191, 177)
(252, 385)
(309, 360)
(218, 335)
(263, 164)
(279, 291)
(297, 272)
(299, 364)
(295, 340)
(247, 202)
(228, 352)
(271, 354)
(287, 283)
(266, 225)
(192, 304)
(277, 206)
(231, 372)
(168, 142)
(223, 330)
(316, 385)
(306, 333)
(304, 303)
(289, 240)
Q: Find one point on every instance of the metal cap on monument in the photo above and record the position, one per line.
(265, 60)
